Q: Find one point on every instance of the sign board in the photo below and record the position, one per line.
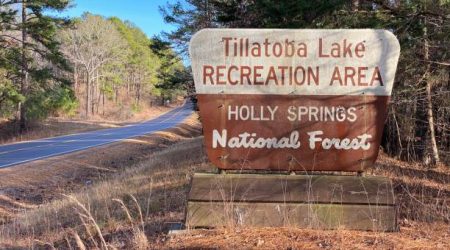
(279, 99)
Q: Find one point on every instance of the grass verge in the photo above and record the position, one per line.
(57, 126)
(121, 211)
(29, 185)
(136, 207)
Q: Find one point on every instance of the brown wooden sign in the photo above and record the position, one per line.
(293, 99)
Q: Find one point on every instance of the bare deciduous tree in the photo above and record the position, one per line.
(91, 44)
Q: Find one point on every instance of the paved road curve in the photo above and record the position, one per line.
(17, 153)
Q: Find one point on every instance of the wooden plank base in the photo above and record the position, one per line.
(317, 216)
(353, 202)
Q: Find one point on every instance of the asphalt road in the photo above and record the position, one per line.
(17, 153)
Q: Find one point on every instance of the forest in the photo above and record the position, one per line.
(80, 67)
(417, 128)
(129, 181)
(95, 65)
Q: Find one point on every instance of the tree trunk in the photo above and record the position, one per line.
(24, 76)
(128, 85)
(116, 96)
(138, 89)
(75, 78)
(399, 138)
(431, 125)
(355, 5)
(429, 106)
(94, 93)
(99, 93)
(138, 94)
(88, 93)
(103, 101)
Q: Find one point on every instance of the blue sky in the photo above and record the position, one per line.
(144, 13)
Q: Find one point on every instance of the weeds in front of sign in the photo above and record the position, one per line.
(125, 211)
(160, 184)
(369, 207)
(421, 194)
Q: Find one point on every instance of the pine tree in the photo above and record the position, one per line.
(417, 127)
(31, 51)
(171, 73)
(189, 20)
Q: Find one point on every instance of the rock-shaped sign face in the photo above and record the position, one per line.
(278, 99)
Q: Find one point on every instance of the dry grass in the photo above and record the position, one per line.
(421, 194)
(133, 207)
(31, 184)
(132, 202)
(415, 236)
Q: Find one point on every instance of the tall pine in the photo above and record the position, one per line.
(417, 126)
(30, 51)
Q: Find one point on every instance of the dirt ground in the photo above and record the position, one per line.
(423, 203)
(156, 171)
(410, 236)
(160, 184)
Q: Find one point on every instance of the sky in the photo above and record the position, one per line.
(143, 13)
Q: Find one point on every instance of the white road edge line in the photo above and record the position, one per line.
(75, 150)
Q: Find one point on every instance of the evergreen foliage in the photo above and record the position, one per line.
(418, 123)
(30, 56)
(51, 65)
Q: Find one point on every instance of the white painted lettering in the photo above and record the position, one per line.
(360, 142)
(243, 141)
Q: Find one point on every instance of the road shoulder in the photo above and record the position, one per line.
(31, 184)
